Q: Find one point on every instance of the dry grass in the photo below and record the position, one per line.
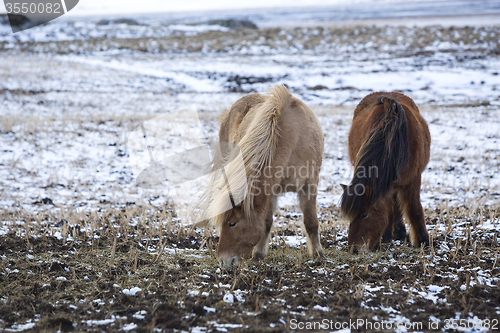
(406, 39)
(69, 271)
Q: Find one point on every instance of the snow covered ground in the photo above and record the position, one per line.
(71, 92)
(67, 117)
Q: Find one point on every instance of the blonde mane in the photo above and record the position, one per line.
(257, 148)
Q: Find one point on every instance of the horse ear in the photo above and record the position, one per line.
(344, 187)
(368, 191)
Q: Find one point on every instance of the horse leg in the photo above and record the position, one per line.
(262, 246)
(399, 230)
(396, 229)
(409, 198)
(308, 206)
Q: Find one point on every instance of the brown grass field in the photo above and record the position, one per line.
(70, 274)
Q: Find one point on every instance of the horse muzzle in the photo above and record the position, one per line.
(227, 260)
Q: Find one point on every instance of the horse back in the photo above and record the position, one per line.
(370, 110)
(300, 143)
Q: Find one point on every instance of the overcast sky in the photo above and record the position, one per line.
(98, 7)
(146, 6)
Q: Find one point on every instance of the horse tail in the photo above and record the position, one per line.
(257, 148)
(380, 160)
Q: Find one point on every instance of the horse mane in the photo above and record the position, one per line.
(257, 148)
(387, 151)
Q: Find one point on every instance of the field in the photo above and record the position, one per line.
(84, 249)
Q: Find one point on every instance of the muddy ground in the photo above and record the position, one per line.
(80, 275)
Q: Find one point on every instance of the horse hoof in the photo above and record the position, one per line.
(319, 255)
(425, 242)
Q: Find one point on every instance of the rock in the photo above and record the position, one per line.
(103, 22)
(14, 19)
(126, 21)
(234, 24)
(318, 87)
(44, 201)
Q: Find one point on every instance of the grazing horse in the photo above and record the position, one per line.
(281, 143)
(389, 146)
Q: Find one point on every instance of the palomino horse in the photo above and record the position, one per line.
(281, 143)
(389, 146)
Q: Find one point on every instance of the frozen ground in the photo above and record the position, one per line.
(71, 94)
(79, 108)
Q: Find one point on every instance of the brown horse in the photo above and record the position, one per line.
(389, 146)
(281, 143)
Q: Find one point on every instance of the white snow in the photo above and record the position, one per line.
(193, 292)
(197, 28)
(20, 327)
(140, 315)
(228, 298)
(294, 241)
(321, 308)
(209, 309)
(100, 322)
(129, 326)
(131, 291)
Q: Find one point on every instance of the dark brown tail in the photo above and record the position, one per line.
(380, 160)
